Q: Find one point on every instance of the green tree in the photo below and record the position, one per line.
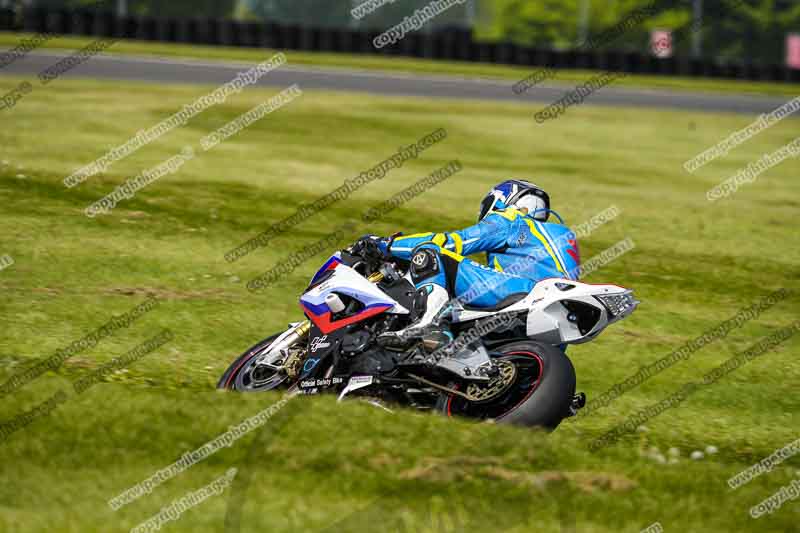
(732, 29)
(321, 13)
(756, 30)
(153, 8)
(302, 12)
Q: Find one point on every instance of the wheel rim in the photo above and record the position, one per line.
(530, 367)
(252, 377)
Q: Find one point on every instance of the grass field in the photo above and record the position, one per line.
(409, 65)
(352, 467)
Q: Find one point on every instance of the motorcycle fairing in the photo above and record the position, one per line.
(322, 347)
(552, 301)
(330, 264)
(345, 281)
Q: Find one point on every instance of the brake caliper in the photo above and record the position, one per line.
(293, 362)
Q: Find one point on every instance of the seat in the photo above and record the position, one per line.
(508, 301)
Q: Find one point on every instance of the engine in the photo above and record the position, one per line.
(365, 359)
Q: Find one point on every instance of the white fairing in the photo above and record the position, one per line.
(548, 320)
(347, 281)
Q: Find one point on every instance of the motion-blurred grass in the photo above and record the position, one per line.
(694, 265)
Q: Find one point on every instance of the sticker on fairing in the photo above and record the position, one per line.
(321, 382)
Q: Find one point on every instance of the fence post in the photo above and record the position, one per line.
(318, 39)
(409, 44)
(290, 35)
(103, 24)
(61, 22)
(250, 31)
(6, 19)
(463, 44)
(428, 46)
(213, 31)
(341, 41)
(225, 32)
(34, 20)
(185, 31)
(270, 37)
(127, 27)
(167, 30)
(570, 59)
(585, 60)
(507, 53)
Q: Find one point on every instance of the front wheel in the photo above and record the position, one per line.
(540, 392)
(245, 375)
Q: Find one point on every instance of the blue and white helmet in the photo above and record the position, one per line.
(519, 194)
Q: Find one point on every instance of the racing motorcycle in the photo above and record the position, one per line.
(507, 364)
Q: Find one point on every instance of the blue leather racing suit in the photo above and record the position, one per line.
(520, 252)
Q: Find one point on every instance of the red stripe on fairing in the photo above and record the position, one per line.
(323, 321)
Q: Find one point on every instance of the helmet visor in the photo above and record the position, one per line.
(486, 206)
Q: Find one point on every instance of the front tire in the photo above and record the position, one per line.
(240, 375)
(540, 396)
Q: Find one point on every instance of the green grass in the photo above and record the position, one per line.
(694, 265)
(412, 65)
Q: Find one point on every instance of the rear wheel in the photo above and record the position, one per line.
(245, 375)
(539, 393)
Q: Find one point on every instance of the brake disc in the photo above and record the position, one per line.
(507, 373)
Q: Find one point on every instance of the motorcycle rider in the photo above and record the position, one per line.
(521, 246)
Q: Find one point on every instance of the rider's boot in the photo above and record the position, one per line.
(432, 327)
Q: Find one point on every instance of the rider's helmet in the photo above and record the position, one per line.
(519, 194)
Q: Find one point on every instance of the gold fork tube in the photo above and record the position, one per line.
(376, 277)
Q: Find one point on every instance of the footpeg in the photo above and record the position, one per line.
(416, 358)
(436, 339)
(396, 340)
(578, 401)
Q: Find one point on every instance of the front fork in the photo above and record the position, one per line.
(292, 337)
(282, 346)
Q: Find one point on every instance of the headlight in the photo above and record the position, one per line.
(619, 304)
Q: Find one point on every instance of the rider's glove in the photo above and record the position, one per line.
(371, 247)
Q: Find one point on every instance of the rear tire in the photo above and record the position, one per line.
(232, 378)
(540, 396)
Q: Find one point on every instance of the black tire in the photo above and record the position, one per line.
(232, 375)
(540, 396)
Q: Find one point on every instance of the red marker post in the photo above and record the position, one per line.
(793, 50)
(661, 43)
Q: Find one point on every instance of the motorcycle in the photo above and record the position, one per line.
(507, 364)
